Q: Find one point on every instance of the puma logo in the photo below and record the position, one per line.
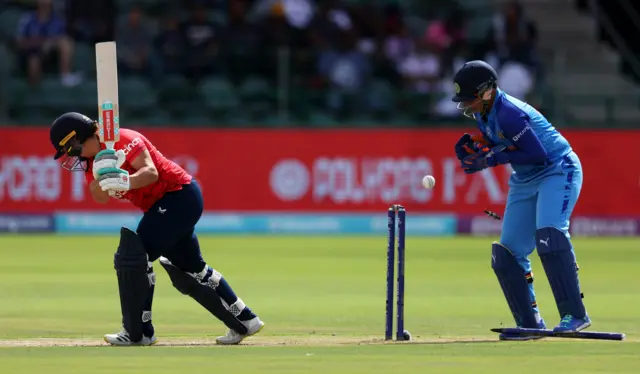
(545, 242)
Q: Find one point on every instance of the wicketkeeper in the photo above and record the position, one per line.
(543, 190)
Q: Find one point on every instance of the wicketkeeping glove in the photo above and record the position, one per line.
(474, 163)
(481, 159)
(464, 147)
(107, 159)
(113, 179)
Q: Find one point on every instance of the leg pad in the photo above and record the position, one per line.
(204, 294)
(559, 262)
(515, 286)
(130, 263)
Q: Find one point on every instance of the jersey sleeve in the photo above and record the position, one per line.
(516, 127)
(134, 147)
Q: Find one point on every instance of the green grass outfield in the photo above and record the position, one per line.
(323, 303)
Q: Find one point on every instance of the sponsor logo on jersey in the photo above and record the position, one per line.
(519, 135)
(127, 148)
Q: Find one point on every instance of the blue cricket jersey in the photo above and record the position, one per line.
(535, 146)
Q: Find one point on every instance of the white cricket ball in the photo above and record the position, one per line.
(428, 181)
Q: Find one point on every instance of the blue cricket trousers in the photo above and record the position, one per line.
(168, 228)
(544, 202)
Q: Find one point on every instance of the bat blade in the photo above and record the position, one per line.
(108, 104)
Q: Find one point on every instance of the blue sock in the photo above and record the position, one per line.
(235, 305)
(226, 293)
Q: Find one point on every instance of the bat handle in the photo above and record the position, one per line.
(111, 146)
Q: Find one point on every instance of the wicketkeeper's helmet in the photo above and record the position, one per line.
(472, 80)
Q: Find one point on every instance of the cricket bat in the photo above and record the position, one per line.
(108, 107)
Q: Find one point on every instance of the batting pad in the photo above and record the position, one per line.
(559, 262)
(515, 286)
(130, 262)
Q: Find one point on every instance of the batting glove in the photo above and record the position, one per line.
(107, 159)
(113, 180)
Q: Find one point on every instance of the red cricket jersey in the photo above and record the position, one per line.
(171, 175)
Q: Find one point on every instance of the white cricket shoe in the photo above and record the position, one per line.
(122, 339)
(253, 326)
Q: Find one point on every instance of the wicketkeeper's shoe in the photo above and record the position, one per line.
(122, 339)
(253, 326)
(522, 338)
(570, 323)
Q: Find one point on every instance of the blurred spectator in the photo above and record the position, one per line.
(329, 21)
(512, 36)
(41, 38)
(421, 69)
(368, 22)
(201, 41)
(445, 108)
(134, 38)
(398, 43)
(287, 22)
(170, 46)
(287, 45)
(91, 21)
(297, 13)
(347, 71)
(511, 44)
(449, 34)
(240, 41)
(516, 80)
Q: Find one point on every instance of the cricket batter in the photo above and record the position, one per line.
(543, 190)
(172, 204)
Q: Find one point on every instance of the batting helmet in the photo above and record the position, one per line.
(68, 132)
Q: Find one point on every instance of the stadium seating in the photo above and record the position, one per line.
(244, 99)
